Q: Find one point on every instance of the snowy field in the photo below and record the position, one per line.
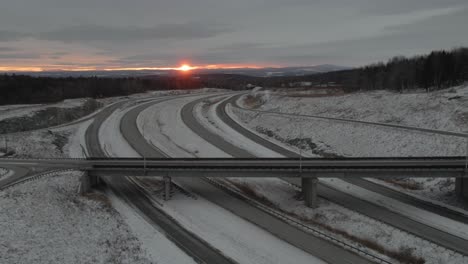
(46, 221)
(345, 224)
(12, 111)
(329, 217)
(442, 110)
(445, 110)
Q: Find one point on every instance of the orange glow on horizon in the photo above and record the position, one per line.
(183, 68)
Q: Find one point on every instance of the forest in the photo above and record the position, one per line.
(437, 70)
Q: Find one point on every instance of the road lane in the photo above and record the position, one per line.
(192, 245)
(305, 241)
(369, 209)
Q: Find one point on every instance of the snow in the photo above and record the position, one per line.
(109, 133)
(5, 173)
(434, 220)
(353, 140)
(214, 224)
(154, 242)
(206, 115)
(337, 217)
(442, 110)
(162, 126)
(340, 218)
(76, 147)
(440, 192)
(445, 110)
(13, 111)
(232, 235)
(46, 221)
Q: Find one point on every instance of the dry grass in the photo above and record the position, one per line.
(403, 255)
(98, 197)
(253, 101)
(406, 184)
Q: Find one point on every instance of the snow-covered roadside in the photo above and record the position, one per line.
(439, 222)
(47, 221)
(153, 241)
(348, 139)
(109, 133)
(212, 223)
(162, 126)
(12, 111)
(206, 115)
(5, 173)
(341, 219)
(445, 109)
(439, 192)
(232, 235)
(351, 140)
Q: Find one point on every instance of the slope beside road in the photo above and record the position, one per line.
(369, 209)
(192, 245)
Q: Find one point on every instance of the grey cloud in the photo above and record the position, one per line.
(6, 35)
(7, 49)
(4, 56)
(386, 7)
(94, 33)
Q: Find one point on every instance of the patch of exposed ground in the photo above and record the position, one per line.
(48, 117)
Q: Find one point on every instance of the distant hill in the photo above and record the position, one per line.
(259, 72)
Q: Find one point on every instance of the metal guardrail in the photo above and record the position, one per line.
(420, 129)
(296, 223)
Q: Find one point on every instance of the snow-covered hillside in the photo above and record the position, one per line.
(442, 110)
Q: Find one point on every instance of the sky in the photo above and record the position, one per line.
(122, 34)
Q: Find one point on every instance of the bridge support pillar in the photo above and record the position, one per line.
(309, 190)
(461, 188)
(88, 181)
(167, 188)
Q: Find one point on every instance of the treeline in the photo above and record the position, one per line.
(20, 89)
(438, 70)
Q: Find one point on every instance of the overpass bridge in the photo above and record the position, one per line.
(308, 169)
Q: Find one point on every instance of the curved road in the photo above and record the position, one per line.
(191, 244)
(363, 183)
(305, 241)
(369, 209)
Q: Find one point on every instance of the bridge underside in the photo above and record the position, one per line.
(309, 181)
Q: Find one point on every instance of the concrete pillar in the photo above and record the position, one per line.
(88, 181)
(309, 190)
(461, 188)
(167, 188)
(458, 186)
(85, 185)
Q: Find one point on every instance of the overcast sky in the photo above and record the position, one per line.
(81, 34)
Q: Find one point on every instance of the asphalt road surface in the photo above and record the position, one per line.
(191, 244)
(369, 209)
(315, 246)
(402, 197)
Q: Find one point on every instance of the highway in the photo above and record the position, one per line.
(199, 249)
(191, 244)
(378, 188)
(369, 209)
(309, 243)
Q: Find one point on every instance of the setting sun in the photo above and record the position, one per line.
(185, 68)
